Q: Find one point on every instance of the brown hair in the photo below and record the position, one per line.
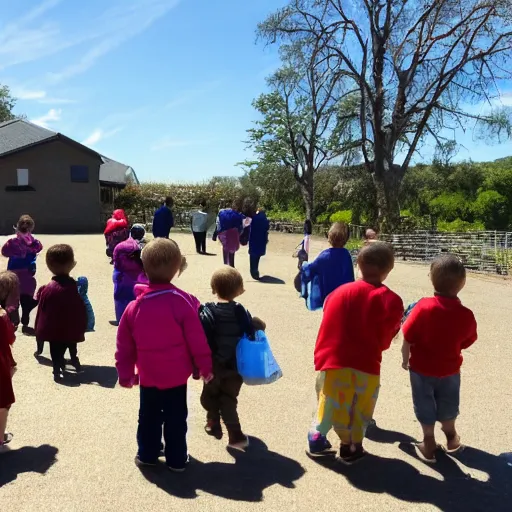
(258, 324)
(9, 283)
(60, 259)
(448, 274)
(169, 202)
(376, 260)
(162, 260)
(25, 224)
(338, 235)
(227, 283)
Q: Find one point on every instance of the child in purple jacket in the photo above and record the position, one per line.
(128, 270)
(22, 252)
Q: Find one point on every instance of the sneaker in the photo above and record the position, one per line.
(213, 428)
(348, 457)
(319, 445)
(75, 363)
(238, 441)
(141, 463)
(7, 438)
(179, 469)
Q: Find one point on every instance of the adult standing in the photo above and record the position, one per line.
(230, 225)
(163, 219)
(258, 241)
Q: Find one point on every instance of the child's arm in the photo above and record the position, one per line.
(36, 246)
(126, 351)
(472, 334)
(394, 312)
(196, 340)
(406, 354)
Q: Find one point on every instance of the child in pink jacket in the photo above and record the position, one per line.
(160, 344)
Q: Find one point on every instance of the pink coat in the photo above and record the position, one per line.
(161, 335)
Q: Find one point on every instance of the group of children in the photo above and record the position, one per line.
(165, 336)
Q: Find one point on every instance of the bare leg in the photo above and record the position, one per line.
(452, 438)
(428, 446)
(3, 423)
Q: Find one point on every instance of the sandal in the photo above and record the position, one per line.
(420, 455)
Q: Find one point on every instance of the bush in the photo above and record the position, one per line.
(341, 216)
(286, 215)
(459, 226)
(451, 206)
(491, 208)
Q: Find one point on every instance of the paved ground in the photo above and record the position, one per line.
(74, 445)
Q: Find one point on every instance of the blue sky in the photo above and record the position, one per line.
(162, 85)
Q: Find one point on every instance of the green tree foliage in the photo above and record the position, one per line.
(417, 68)
(7, 103)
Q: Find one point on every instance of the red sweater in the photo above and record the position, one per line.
(438, 328)
(360, 321)
(61, 314)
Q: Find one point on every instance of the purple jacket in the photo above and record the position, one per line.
(128, 269)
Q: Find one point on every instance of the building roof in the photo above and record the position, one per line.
(18, 135)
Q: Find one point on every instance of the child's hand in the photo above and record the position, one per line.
(208, 378)
(14, 369)
(405, 365)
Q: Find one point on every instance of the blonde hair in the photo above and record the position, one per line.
(227, 283)
(338, 235)
(9, 283)
(162, 260)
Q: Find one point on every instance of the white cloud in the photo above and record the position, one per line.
(51, 116)
(56, 101)
(99, 134)
(26, 94)
(33, 36)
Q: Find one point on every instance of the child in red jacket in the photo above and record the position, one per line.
(435, 333)
(160, 336)
(360, 321)
(7, 364)
(61, 316)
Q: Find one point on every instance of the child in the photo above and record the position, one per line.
(331, 268)
(225, 322)
(7, 364)
(258, 241)
(83, 289)
(10, 296)
(435, 333)
(116, 231)
(61, 316)
(360, 321)
(161, 336)
(308, 231)
(199, 225)
(128, 270)
(22, 252)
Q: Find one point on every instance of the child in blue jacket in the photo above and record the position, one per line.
(331, 269)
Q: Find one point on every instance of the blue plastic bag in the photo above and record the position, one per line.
(256, 363)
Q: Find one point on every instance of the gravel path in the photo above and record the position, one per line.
(74, 445)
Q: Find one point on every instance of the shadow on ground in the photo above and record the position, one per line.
(245, 480)
(104, 376)
(26, 460)
(457, 492)
(271, 280)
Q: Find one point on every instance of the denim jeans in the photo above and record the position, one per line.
(165, 408)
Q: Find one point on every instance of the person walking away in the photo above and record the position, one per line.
(128, 270)
(163, 220)
(161, 336)
(199, 225)
(22, 251)
(7, 363)
(10, 296)
(435, 333)
(61, 316)
(360, 320)
(230, 225)
(258, 241)
(116, 231)
(225, 322)
(331, 268)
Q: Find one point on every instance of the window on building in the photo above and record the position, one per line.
(22, 177)
(79, 174)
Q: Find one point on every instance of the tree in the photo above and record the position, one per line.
(7, 103)
(417, 65)
(306, 118)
